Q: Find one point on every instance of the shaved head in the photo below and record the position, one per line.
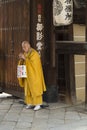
(25, 42)
(26, 46)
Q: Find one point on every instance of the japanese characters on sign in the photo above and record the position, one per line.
(62, 12)
(39, 29)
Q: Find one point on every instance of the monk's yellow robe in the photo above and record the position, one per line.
(34, 84)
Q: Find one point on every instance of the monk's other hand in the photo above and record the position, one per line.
(21, 56)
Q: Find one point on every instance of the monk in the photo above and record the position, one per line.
(34, 84)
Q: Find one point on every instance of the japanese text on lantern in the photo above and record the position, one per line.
(39, 29)
(68, 9)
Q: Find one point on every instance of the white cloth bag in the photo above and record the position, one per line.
(21, 71)
(62, 12)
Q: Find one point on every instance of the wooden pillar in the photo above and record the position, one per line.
(70, 78)
(86, 61)
(37, 27)
(70, 72)
(43, 9)
(86, 81)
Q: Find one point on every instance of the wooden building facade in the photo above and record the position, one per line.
(32, 20)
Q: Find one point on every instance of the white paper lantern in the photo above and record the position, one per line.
(21, 71)
(62, 12)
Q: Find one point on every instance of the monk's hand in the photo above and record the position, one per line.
(21, 56)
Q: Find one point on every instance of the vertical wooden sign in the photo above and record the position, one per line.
(37, 26)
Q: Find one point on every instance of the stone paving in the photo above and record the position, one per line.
(58, 116)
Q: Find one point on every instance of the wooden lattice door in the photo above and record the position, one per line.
(14, 28)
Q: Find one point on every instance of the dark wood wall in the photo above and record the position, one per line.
(14, 28)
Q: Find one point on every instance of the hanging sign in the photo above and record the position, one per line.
(62, 12)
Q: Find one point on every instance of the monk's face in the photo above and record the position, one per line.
(26, 47)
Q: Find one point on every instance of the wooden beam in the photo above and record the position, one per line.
(71, 47)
